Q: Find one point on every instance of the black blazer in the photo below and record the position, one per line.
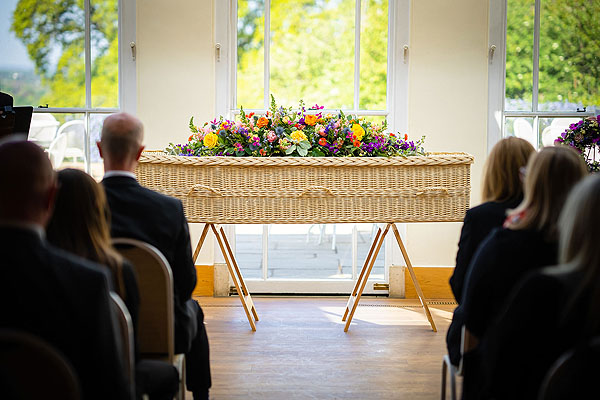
(532, 333)
(140, 213)
(479, 222)
(65, 300)
(503, 259)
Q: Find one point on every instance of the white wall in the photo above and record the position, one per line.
(447, 103)
(175, 67)
(175, 73)
(447, 89)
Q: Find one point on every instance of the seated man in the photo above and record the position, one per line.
(159, 220)
(47, 292)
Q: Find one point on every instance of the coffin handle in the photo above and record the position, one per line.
(198, 186)
(432, 190)
(313, 189)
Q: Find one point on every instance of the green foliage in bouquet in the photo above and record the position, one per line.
(285, 132)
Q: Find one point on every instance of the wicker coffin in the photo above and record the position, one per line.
(288, 190)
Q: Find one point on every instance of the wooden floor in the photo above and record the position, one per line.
(300, 350)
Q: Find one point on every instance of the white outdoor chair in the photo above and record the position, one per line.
(43, 129)
(57, 149)
(75, 134)
(524, 130)
(557, 126)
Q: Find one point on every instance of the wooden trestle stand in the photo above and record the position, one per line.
(233, 268)
(361, 282)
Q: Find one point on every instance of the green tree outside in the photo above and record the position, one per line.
(53, 32)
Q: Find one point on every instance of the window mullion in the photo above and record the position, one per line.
(536, 56)
(88, 84)
(357, 56)
(267, 55)
(88, 56)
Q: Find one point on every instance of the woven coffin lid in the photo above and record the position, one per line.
(313, 189)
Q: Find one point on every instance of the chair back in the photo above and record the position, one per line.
(32, 369)
(43, 128)
(574, 374)
(156, 338)
(126, 330)
(74, 131)
(56, 150)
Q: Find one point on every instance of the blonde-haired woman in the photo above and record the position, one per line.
(552, 310)
(528, 242)
(502, 190)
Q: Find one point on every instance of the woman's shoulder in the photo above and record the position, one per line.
(490, 209)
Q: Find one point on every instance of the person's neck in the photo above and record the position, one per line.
(127, 167)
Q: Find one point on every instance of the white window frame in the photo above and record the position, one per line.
(497, 75)
(225, 42)
(127, 72)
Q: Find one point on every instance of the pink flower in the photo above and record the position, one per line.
(271, 136)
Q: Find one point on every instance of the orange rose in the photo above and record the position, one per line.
(322, 141)
(356, 143)
(262, 122)
(310, 119)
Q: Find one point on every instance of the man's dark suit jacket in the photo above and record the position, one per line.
(140, 213)
(64, 300)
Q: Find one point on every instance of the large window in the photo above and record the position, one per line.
(552, 74)
(62, 57)
(340, 54)
(329, 52)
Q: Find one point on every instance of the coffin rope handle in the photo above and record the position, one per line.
(312, 188)
(431, 190)
(198, 186)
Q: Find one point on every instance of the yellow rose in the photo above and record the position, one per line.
(210, 140)
(298, 136)
(358, 131)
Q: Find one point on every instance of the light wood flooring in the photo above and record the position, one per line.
(300, 350)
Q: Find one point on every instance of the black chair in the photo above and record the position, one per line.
(574, 375)
(31, 369)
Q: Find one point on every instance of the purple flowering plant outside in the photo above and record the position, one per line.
(584, 136)
(302, 132)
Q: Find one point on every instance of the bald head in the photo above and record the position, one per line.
(121, 141)
(27, 182)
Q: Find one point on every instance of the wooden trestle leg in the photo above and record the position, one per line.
(366, 271)
(361, 282)
(413, 277)
(234, 270)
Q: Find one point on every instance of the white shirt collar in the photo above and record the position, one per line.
(128, 174)
(26, 226)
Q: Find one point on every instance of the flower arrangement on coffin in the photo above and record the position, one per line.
(285, 132)
(584, 136)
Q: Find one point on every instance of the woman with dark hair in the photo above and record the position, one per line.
(502, 190)
(527, 242)
(80, 225)
(552, 310)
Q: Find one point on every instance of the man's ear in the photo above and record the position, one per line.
(51, 197)
(99, 148)
(139, 153)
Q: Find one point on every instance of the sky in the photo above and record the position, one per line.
(13, 54)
